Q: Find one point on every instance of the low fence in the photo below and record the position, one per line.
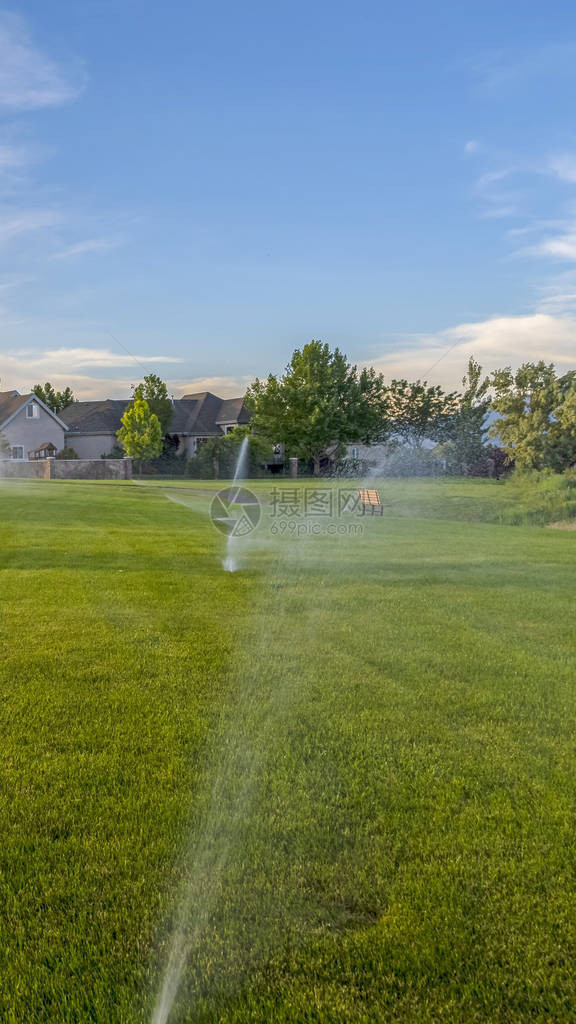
(67, 469)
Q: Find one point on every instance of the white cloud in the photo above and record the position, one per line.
(88, 245)
(29, 79)
(472, 146)
(497, 342)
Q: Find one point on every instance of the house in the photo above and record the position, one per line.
(29, 426)
(92, 426)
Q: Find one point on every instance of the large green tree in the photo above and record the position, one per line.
(419, 411)
(536, 415)
(466, 429)
(57, 401)
(154, 391)
(141, 432)
(320, 399)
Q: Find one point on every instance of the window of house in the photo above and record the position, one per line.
(354, 453)
(200, 441)
(32, 411)
(17, 451)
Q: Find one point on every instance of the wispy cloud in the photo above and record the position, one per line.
(472, 146)
(13, 281)
(559, 303)
(564, 166)
(543, 177)
(499, 70)
(12, 157)
(29, 79)
(535, 227)
(498, 212)
(87, 246)
(84, 357)
(21, 222)
(498, 200)
(18, 153)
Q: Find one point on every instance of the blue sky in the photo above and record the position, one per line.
(216, 184)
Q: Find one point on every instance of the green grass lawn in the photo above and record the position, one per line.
(377, 730)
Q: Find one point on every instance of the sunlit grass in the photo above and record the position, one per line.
(406, 849)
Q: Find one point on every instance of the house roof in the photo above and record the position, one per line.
(213, 411)
(95, 417)
(10, 402)
(233, 410)
(196, 414)
(199, 414)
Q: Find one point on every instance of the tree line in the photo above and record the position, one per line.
(321, 400)
(525, 417)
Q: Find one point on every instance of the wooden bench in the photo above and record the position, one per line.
(370, 498)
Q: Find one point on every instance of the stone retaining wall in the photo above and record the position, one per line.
(68, 469)
(11, 469)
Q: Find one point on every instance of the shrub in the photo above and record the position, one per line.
(542, 496)
(494, 463)
(116, 453)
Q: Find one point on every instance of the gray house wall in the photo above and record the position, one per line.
(32, 433)
(91, 446)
